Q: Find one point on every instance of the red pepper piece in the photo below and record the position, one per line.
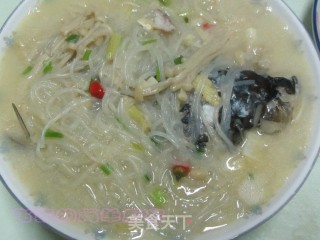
(180, 171)
(96, 89)
(206, 26)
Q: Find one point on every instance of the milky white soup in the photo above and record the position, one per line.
(189, 111)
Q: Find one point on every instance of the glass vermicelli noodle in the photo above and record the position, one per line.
(176, 108)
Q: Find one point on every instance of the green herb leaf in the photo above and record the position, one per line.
(86, 55)
(53, 134)
(185, 16)
(137, 146)
(178, 60)
(201, 150)
(159, 197)
(73, 38)
(165, 2)
(27, 70)
(158, 74)
(250, 176)
(47, 68)
(106, 169)
(149, 41)
(147, 177)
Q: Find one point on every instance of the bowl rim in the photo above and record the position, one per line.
(296, 185)
(10, 16)
(315, 24)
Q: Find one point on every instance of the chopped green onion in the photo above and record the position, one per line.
(149, 41)
(47, 68)
(73, 38)
(158, 74)
(250, 176)
(113, 46)
(106, 169)
(53, 134)
(86, 55)
(178, 60)
(201, 150)
(185, 15)
(159, 197)
(165, 2)
(147, 177)
(27, 70)
(137, 146)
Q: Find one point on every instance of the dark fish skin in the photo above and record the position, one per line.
(257, 91)
(254, 98)
(202, 141)
(185, 110)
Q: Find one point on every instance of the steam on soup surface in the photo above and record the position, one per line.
(182, 112)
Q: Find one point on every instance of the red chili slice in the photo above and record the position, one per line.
(96, 89)
(180, 171)
(206, 25)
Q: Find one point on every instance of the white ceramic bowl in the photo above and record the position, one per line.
(18, 190)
